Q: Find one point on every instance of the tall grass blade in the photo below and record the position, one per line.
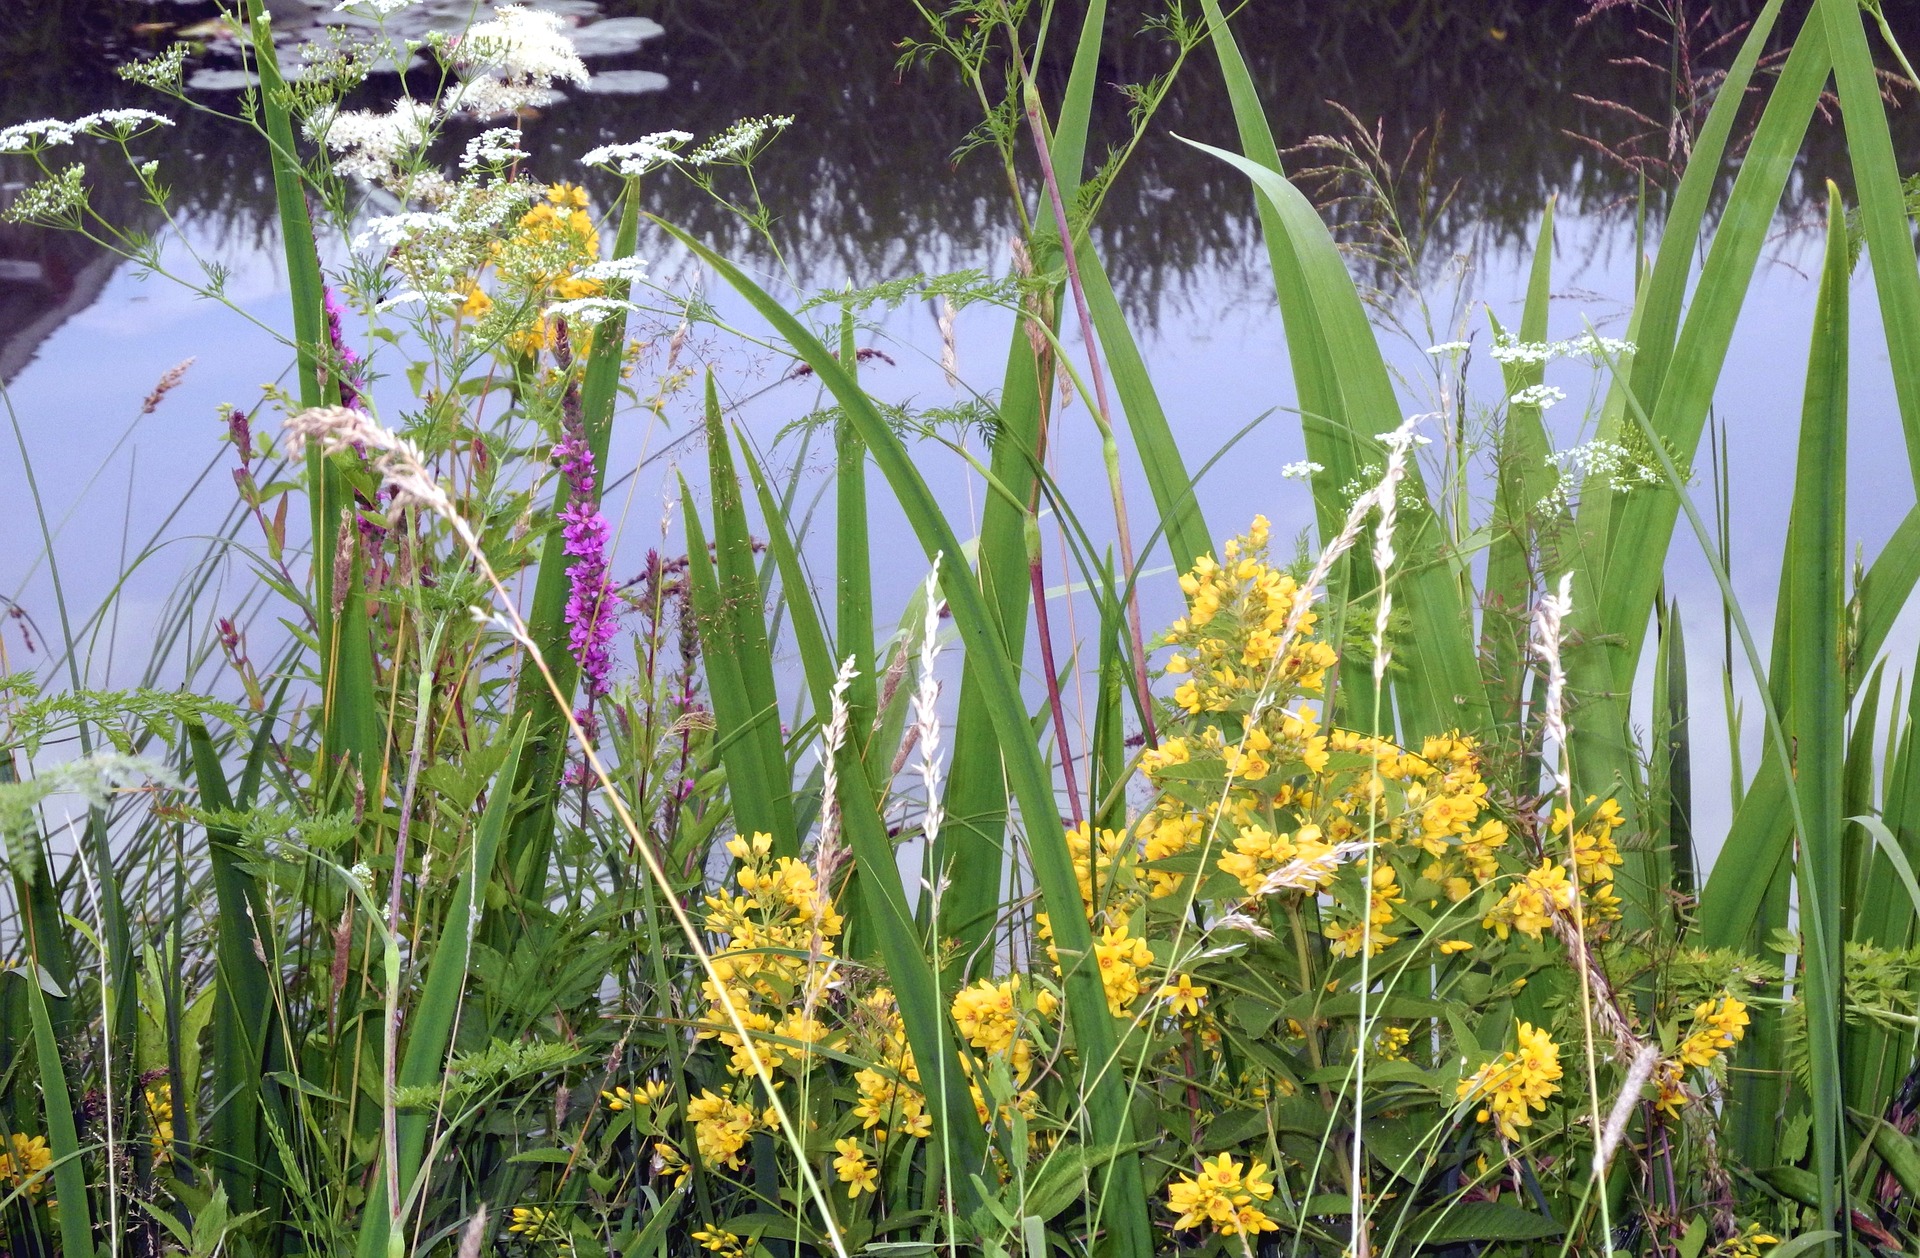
(243, 1037)
(1524, 479)
(63, 1134)
(750, 779)
(1608, 629)
(1442, 689)
(742, 612)
(853, 570)
(1883, 206)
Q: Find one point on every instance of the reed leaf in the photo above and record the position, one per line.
(1442, 689)
(750, 780)
(742, 630)
(243, 1035)
(1883, 206)
(1524, 479)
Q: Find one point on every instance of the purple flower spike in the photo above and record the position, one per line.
(592, 612)
(350, 377)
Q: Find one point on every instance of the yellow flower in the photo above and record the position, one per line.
(1185, 996)
(855, 1171)
(159, 1098)
(667, 1162)
(1515, 1084)
(618, 1099)
(476, 303)
(536, 1224)
(720, 1128)
(1121, 958)
(1670, 1099)
(1718, 1026)
(28, 1160)
(720, 1241)
(1450, 946)
(1744, 1244)
(1222, 1196)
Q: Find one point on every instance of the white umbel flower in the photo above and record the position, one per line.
(492, 149)
(638, 157)
(369, 145)
(739, 141)
(589, 309)
(627, 270)
(512, 62)
(111, 124)
(1539, 395)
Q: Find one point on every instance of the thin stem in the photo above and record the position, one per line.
(1104, 412)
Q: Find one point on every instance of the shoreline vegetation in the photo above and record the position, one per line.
(512, 906)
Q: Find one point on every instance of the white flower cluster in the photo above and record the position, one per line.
(372, 145)
(46, 133)
(379, 8)
(1304, 469)
(53, 202)
(493, 150)
(628, 270)
(1448, 348)
(589, 310)
(1540, 395)
(1607, 462)
(446, 303)
(512, 62)
(648, 153)
(1508, 348)
(435, 253)
(161, 73)
(738, 142)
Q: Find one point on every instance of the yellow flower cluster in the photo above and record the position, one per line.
(1237, 615)
(1515, 1084)
(889, 1096)
(536, 1223)
(1249, 771)
(1529, 906)
(540, 260)
(778, 958)
(854, 1168)
(720, 1241)
(1105, 864)
(159, 1099)
(1717, 1026)
(1746, 1243)
(1222, 1196)
(25, 1162)
(990, 1016)
(652, 1094)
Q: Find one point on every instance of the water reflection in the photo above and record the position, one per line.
(862, 184)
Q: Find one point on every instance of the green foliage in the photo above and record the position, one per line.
(1371, 912)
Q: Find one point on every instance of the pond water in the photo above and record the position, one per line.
(1490, 106)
